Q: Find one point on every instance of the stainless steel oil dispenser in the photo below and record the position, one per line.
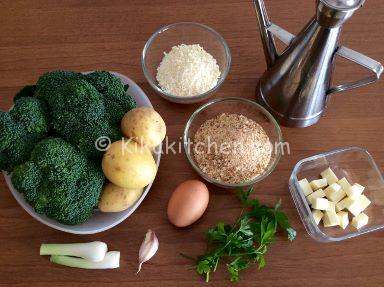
(297, 84)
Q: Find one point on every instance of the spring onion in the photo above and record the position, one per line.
(91, 251)
(110, 261)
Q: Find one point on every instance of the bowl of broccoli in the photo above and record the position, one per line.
(48, 150)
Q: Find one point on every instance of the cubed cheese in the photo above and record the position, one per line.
(364, 202)
(355, 207)
(343, 218)
(329, 175)
(317, 194)
(360, 220)
(345, 203)
(317, 216)
(305, 187)
(330, 218)
(355, 191)
(334, 192)
(318, 183)
(344, 183)
(332, 206)
(359, 205)
(320, 204)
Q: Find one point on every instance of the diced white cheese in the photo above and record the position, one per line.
(364, 202)
(334, 192)
(305, 187)
(329, 175)
(318, 183)
(355, 191)
(359, 205)
(355, 207)
(345, 185)
(330, 218)
(345, 203)
(317, 216)
(343, 218)
(331, 206)
(317, 194)
(360, 220)
(320, 204)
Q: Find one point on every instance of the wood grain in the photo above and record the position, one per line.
(38, 36)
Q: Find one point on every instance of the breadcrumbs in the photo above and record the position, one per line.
(232, 148)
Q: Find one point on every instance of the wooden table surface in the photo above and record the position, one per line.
(38, 36)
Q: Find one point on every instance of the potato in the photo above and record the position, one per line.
(128, 164)
(115, 198)
(145, 126)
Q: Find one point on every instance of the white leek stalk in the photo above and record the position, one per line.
(91, 251)
(148, 248)
(110, 261)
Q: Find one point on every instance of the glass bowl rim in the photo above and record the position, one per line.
(295, 181)
(155, 86)
(260, 177)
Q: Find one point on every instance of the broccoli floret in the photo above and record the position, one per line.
(20, 129)
(51, 83)
(20, 150)
(80, 117)
(59, 160)
(114, 112)
(27, 177)
(27, 91)
(9, 130)
(31, 114)
(112, 88)
(59, 181)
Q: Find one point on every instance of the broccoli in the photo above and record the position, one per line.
(27, 91)
(49, 84)
(47, 141)
(80, 117)
(31, 114)
(20, 129)
(113, 91)
(9, 130)
(59, 181)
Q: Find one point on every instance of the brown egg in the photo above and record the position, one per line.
(188, 203)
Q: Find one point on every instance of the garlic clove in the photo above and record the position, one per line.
(148, 248)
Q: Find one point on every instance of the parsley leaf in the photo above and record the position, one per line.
(246, 242)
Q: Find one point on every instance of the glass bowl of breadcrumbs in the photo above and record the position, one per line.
(232, 142)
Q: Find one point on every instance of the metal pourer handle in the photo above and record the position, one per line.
(374, 66)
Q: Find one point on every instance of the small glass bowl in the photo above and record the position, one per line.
(239, 106)
(184, 33)
(357, 166)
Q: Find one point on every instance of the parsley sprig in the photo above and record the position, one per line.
(245, 242)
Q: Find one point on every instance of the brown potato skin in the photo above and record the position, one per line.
(145, 126)
(128, 164)
(115, 198)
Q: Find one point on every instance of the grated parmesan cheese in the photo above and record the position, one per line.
(187, 70)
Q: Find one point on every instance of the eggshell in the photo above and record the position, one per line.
(188, 203)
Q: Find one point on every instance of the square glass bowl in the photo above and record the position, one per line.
(357, 166)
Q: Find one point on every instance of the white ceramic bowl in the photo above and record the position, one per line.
(99, 221)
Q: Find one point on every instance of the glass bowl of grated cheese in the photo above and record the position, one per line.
(186, 62)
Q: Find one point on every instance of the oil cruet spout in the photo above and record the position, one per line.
(266, 36)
